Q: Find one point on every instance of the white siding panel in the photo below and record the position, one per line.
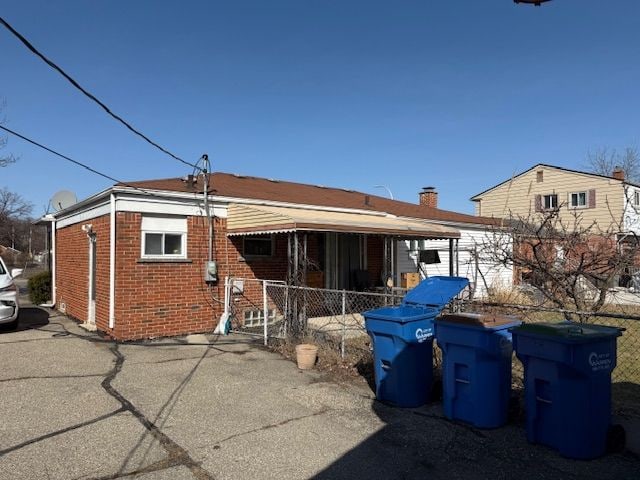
(495, 276)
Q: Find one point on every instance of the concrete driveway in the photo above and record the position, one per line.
(74, 405)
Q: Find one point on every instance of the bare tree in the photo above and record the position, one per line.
(4, 159)
(14, 210)
(573, 265)
(603, 161)
(13, 205)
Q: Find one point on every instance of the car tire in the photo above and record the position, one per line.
(12, 325)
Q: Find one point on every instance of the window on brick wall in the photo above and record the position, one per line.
(164, 237)
(258, 246)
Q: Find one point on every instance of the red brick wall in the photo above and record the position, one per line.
(155, 299)
(72, 270)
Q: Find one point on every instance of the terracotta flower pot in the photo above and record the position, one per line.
(306, 355)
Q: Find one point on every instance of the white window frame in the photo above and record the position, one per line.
(577, 194)
(551, 196)
(270, 238)
(164, 226)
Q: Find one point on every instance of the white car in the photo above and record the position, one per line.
(9, 306)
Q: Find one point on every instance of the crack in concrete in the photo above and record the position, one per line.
(181, 359)
(46, 377)
(176, 455)
(270, 426)
(61, 431)
(173, 450)
(158, 466)
(34, 340)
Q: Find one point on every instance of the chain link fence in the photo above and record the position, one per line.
(333, 319)
(626, 375)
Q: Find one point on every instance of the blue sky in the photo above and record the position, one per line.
(458, 95)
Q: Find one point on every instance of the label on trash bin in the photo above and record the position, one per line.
(600, 361)
(423, 334)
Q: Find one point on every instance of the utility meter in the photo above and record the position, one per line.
(211, 271)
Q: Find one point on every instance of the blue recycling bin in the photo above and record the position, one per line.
(567, 389)
(402, 340)
(476, 367)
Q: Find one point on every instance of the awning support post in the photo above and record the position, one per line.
(451, 259)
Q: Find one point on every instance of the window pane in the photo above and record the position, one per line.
(172, 244)
(582, 199)
(260, 246)
(574, 199)
(550, 201)
(153, 244)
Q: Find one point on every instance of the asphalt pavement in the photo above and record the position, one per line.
(74, 405)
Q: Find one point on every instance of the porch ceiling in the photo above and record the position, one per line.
(249, 219)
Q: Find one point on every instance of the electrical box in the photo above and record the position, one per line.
(211, 271)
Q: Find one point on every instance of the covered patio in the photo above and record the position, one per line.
(333, 249)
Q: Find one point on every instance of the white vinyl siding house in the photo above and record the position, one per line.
(482, 274)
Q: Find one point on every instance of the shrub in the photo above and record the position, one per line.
(40, 288)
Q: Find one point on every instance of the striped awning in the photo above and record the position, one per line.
(252, 220)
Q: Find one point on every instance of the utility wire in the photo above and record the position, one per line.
(86, 93)
(80, 164)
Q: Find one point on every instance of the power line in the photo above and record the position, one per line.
(76, 162)
(35, 51)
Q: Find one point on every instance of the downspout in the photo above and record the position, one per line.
(112, 261)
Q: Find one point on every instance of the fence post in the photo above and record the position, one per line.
(266, 311)
(344, 321)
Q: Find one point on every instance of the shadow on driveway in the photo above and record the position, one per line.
(30, 318)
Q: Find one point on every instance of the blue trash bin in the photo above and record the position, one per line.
(567, 375)
(476, 367)
(402, 340)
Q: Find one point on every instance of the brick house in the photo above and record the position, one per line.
(132, 260)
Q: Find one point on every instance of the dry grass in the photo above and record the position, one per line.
(357, 362)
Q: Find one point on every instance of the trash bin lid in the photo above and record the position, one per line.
(481, 320)
(568, 331)
(435, 291)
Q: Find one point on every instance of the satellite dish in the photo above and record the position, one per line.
(63, 199)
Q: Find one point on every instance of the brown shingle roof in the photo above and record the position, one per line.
(238, 186)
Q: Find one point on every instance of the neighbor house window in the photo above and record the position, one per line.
(636, 198)
(258, 246)
(164, 237)
(578, 199)
(550, 202)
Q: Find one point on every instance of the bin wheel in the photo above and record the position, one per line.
(616, 439)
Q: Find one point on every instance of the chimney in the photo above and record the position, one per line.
(429, 197)
(618, 173)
